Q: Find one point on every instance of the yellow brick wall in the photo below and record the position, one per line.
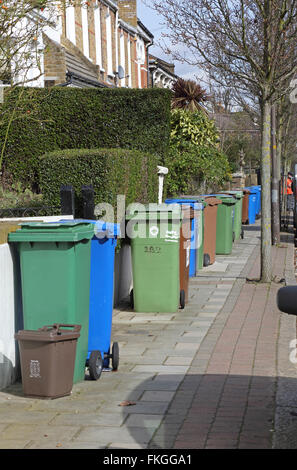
(54, 62)
(128, 11)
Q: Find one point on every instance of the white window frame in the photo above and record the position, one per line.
(70, 24)
(129, 44)
(109, 43)
(98, 35)
(85, 31)
(140, 58)
(123, 57)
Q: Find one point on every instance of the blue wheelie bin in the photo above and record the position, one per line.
(103, 246)
(258, 208)
(196, 238)
(252, 204)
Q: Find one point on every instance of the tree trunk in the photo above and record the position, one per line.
(275, 213)
(266, 265)
(279, 153)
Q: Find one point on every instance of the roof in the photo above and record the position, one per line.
(235, 122)
(79, 74)
(167, 67)
(145, 30)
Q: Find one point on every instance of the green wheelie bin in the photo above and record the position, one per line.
(200, 237)
(55, 276)
(154, 232)
(225, 224)
(238, 194)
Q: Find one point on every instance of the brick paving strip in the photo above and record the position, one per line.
(238, 398)
(215, 375)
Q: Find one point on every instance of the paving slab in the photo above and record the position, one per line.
(215, 375)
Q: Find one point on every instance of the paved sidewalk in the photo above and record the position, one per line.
(215, 375)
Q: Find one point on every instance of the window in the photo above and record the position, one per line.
(109, 44)
(70, 24)
(85, 30)
(140, 58)
(122, 57)
(140, 51)
(98, 39)
(129, 63)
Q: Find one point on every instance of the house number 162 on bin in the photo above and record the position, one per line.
(152, 249)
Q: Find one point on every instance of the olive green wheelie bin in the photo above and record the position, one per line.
(238, 194)
(55, 273)
(225, 224)
(154, 232)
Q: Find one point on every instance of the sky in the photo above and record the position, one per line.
(154, 24)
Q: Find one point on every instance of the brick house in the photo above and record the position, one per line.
(161, 73)
(97, 43)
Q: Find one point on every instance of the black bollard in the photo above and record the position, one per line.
(88, 202)
(67, 200)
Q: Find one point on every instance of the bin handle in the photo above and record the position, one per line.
(57, 326)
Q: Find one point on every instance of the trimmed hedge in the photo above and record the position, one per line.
(71, 118)
(111, 172)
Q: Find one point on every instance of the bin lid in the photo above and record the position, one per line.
(196, 203)
(252, 190)
(154, 212)
(236, 193)
(68, 231)
(212, 200)
(109, 229)
(226, 199)
(50, 334)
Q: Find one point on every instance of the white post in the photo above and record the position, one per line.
(162, 171)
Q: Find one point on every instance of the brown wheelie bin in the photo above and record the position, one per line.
(184, 253)
(210, 228)
(47, 360)
(245, 206)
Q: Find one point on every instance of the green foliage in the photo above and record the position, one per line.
(111, 172)
(248, 144)
(17, 196)
(194, 157)
(70, 118)
(194, 127)
(191, 166)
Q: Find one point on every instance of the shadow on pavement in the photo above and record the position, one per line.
(251, 228)
(213, 411)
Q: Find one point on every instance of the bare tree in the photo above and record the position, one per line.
(22, 23)
(249, 42)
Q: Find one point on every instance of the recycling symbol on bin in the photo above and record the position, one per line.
(154, 231)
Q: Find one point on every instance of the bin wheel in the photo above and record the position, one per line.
(115, 358)
(233, 237)
(242, 233)
(132, 299)
(206, 259)
(182, 299)
(247, 222)
(95, 365)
